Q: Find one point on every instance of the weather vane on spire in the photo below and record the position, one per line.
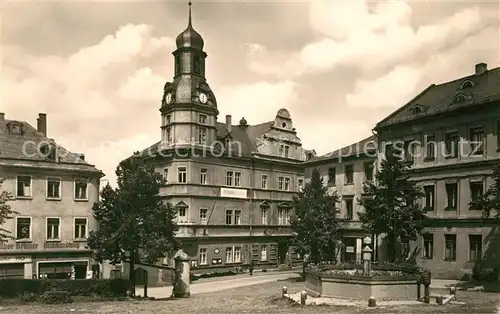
(190, 3)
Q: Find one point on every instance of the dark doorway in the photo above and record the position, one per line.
(349, 250)
(140, 276)
(80, 271)
(283, 248)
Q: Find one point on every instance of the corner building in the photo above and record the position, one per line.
(53, 191)
(232, 184)
(345, 171)
(451, 133)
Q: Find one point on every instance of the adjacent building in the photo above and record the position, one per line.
(231, 183)
(451, 133)
(345, 171)
(52, 190)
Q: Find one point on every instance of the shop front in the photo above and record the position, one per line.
(63, 269)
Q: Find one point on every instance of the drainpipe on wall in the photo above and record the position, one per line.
(250, 201)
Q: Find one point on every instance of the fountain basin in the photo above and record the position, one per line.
(350, 284)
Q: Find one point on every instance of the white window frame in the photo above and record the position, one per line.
(47, 188)
(31, 229)
(281, 216)
(203, 221)
(200, 116)
(184, 209)
(185, 174)
(263, 215)
(226, 215)
(263, 253)
(237, 178)
(229, 257)
(58, 229)
(281, 183)
(165, 174)
(229, 174)
(169, 135)
(237, 216)
(168, 119)
(281, 150)
(86, 228)
(202, 135)
(286, 183)
(264, 181)
(287, 151)
(17, 187)
(300, 184)
(86, 198)
(203, 176)
(236, 249)
(203, 254)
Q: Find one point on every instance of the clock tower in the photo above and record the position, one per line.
(188, 108)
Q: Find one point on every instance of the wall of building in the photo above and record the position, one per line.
(37, 252)
(463, 170)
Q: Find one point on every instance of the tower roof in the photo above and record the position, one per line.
(189, 38)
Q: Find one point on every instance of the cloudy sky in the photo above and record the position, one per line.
(98, 68)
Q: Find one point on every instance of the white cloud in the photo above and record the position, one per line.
(353, 34)
(95, 97)
(391, 90)
(251, 100)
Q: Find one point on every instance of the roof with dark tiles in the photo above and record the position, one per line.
(359, 149)
(245, 135)
(440, 98)
(22, 150)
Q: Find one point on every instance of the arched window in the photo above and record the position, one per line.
(196, 65)
(417, 109)
(177, 65)
(467, 84)
(459, 98)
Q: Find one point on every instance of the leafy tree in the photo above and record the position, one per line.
(488, 268)
(5, 214)
(314, 221)
(392, 209)
(490, 201)
(134, 224)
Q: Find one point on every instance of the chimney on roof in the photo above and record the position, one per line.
(228, 122)
(2, 116)
(41, 124)
(481, 68)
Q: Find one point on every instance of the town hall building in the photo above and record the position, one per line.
(231, 183)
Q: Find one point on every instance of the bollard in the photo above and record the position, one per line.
(453, 292)
(372, 302)
(427, 295)
(303, 298)
(283, 291)
(439, 300)
(419, 292)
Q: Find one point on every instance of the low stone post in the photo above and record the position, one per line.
(439, 300)
(182, 275)
(426, 280)
(367, 257)
(372, 302)
(453, 292)
(303, 297)
(419, 286)
(283, 291)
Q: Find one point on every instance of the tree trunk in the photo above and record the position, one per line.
(131, 276)
(393, 248)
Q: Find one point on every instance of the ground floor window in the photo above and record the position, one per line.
(14, 270)
(63, 270)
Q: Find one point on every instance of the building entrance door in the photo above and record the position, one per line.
(349, 250)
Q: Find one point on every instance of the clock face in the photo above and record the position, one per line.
(216, 251)
(203, 98)
(168, 98)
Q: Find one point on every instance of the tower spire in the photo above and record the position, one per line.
(189, 23)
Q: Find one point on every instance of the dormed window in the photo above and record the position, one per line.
(459, 98)
(467, 84)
